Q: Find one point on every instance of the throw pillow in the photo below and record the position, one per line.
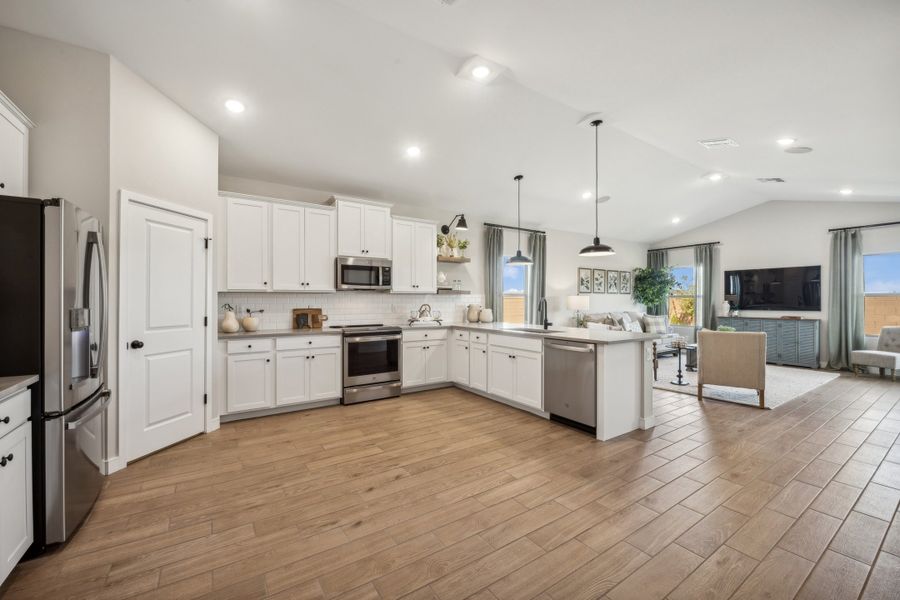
(633, 326)
(655, 324)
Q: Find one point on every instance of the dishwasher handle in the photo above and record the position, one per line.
(582, 349)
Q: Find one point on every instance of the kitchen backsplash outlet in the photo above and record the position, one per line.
(346, 308)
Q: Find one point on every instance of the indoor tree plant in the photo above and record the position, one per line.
(651, 287)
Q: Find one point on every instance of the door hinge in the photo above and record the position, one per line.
(205, 399)
(206, 242)
(206, 321)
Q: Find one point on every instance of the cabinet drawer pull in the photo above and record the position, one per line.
(249, 345)
(4, 420)
(6, 459)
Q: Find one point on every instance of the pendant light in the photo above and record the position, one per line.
(596, 249)
(519, 259)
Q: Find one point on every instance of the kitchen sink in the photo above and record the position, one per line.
(532, 330)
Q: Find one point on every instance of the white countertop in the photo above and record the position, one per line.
(572, 334)
(15, 384)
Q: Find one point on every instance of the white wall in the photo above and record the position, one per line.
(792, 234)
(64, 89)
(159, 150)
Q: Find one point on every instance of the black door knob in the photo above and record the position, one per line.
(6, 459)
(136, 344)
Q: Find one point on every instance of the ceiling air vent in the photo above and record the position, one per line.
(770, 179)
(718, 143)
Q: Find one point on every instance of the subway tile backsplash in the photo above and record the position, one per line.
(347, 308)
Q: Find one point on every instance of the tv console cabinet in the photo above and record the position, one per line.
(792, 342)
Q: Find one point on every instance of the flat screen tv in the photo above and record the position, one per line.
(787, 288)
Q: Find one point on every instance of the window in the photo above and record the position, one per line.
(881, 273)
(514, 281)
(683, 299)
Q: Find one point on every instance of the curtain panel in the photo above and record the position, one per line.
(537, 278)
(658, 259)
(493, 271)
(706, 268)
(846, 298)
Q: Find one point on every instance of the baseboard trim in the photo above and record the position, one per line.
(646, 423)
(111, 465)
(279, 410)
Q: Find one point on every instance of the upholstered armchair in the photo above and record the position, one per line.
(885, 356)
(735, 359)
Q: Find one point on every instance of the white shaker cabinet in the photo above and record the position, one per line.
(459, 361)
(478, 367)
(247, 262)
(292, 377)
(424, 363)
(415, 256)
(515, 370)
(325, 381)
(16, 518)
(501, 373)
(251, 381)
(14, 126)
(436, 362)
(320, 249)
(364, 228)
(529, 379)
(304, 245)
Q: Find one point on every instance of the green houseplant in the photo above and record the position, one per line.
(651, 287)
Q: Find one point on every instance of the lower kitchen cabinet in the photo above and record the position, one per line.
(515, 374)
(478, 367)
(325, 374)
(459, 362)
(307, 375)
(501, 373)
(16, 518)
(251, 381)
(424, 362)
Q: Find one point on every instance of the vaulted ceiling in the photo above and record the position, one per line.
(335, 92)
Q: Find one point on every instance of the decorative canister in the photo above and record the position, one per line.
(726, 309)
(250, 323)
(230, 323)
(486, 316)
(473, 312)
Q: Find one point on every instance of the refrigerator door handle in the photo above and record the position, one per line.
(95, 245)
(98, 408)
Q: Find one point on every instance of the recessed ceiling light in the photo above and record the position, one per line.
(480, 72)
(676, 220)
(798, 150)
(718, 143)
(714, 176)
(846, 191)
(587, 195)
(414, 152)
(235, 106)
(786, 141)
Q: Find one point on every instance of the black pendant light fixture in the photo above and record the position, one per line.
(596, 249)
(519, 259)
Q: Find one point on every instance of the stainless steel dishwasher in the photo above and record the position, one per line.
(570, 383)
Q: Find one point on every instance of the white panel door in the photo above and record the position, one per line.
(413, 363)
(350, 228)
(12, 158)
(377, 232)
(459, 361)
(478, 361)
(528, 379)
(501, 373)
(251, 382)
(164, 305)
(320, 249)
(404, 251)
(247, 262)
(288, 232)
(291, 377)
(325, 374)
(425, 258)
(16, 522)
(436, 362)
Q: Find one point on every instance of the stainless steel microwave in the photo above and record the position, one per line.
(353, 273)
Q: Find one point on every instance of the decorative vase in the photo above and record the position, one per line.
(445, 250)
(472, 313)
(250, 323)
(230, 323)
(441, 278)
(726, 308)
(455, 252)
(486, 316)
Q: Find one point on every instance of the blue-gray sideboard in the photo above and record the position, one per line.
(788, 341)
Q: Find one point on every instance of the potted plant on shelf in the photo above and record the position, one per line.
(454, 245)
(651, 287)
(443, 245)
(463, 244)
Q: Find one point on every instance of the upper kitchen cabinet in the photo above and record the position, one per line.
(415, 256)
(14, 126)
(248, 244)
(364, 228)
(275, 246)
(304, 244)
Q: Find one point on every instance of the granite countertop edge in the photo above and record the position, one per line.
(13, 384)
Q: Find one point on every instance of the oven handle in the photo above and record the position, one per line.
(372, 338)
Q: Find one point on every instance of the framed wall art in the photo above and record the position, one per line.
(625, 282)
(599, 281)
(584, 281)
(612, 282)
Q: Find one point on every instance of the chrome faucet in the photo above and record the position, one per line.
(542, 309)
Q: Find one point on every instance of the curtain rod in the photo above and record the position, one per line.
(888, 224)
(685, 246)
(515, 228)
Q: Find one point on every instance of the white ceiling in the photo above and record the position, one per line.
(335, 91)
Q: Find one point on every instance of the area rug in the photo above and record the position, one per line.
(783, 384)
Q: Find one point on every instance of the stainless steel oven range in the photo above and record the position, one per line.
(371, 362)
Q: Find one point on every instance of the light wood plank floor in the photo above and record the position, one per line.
(447, 495)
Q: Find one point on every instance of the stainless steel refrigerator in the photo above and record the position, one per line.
(54, 299)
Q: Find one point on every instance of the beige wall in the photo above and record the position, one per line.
(64, 89)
